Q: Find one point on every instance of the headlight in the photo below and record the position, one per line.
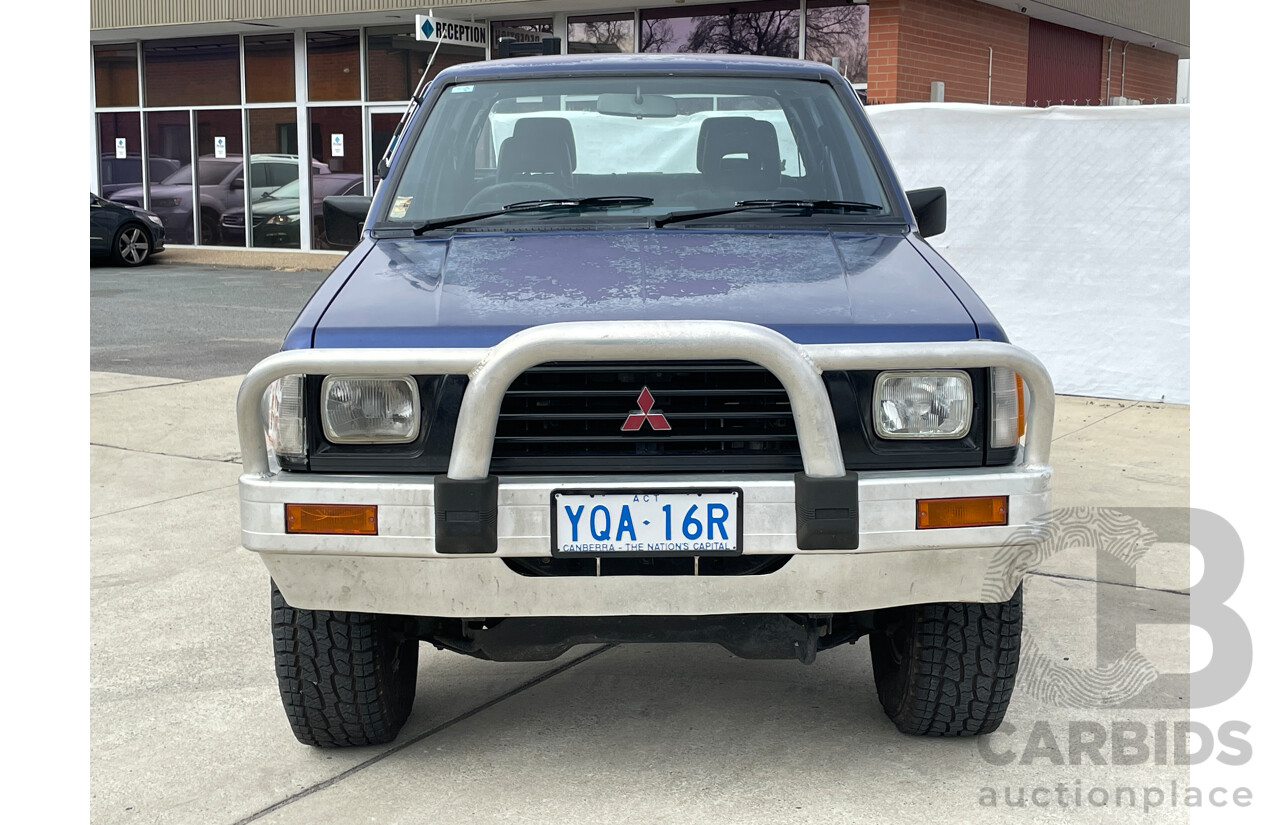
(154, 219)
(1007, 418)
(281, 220)
(368, 410)
(166, 201)
(923, 404)
(286, 425)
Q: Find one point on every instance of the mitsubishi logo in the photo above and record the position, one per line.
(646, 413)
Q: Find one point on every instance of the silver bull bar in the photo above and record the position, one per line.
(798, 367)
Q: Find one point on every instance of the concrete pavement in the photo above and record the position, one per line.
(186, 723)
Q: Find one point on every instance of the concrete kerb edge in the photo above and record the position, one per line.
(278, 260)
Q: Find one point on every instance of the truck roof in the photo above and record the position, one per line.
(543, 66)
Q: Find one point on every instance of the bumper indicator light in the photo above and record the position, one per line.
(335, 519)
(983, 511)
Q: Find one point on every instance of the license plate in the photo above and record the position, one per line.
(646, 523)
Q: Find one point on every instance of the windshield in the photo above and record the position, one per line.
(211, 172)
(686, 142)
(289, 190)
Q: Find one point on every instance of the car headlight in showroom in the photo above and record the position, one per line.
(355, 409)
(923, 404)
(286, 424)
(283, 220)
(154, 219)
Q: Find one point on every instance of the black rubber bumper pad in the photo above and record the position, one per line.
(466, 515)
(827, 512)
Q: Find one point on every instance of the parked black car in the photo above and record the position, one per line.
(276, 214)
(128, 235)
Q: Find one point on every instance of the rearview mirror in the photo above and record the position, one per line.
(930, 208)
(344, 217)
(636, 105)
(237, 183)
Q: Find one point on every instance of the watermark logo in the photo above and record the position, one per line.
(1122, 675)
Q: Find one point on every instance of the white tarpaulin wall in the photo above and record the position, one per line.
(1073, 224)
(668, 145)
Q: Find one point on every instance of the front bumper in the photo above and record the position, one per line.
(400, 570)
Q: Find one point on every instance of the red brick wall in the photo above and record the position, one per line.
(915, 42)
(1148, 73)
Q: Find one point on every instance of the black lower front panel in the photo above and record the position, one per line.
(749, 636)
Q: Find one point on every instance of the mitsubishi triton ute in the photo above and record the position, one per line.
(642, 348)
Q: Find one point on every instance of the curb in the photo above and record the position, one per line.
(279, 260)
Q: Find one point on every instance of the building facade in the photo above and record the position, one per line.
(183, 92)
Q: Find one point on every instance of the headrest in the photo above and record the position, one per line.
(549, 131)
(757, 139)
(523, 159)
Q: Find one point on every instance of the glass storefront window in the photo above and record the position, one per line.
(169, 136)
(533, 30)
(336, 143)
(602, 33)
(268, 68)
(382, 125)
(838, 28)
(219, 172)
(396, 62)
(273, 214)
(333, 65)
(768, 28)
(115, 75)
(195, 71)
(118, 174)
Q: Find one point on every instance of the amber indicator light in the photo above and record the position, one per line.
(1022, 407)
(338, 519)
(982, 511)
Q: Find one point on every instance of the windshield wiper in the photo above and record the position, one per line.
(602, 202)
(806, 207)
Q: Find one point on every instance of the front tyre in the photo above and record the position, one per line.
(948, 669)
(132, 246)
(346, 679)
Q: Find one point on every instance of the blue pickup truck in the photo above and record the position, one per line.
(643, 348)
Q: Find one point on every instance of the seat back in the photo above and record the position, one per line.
(723, 138)
(549, 131)
(529, 160)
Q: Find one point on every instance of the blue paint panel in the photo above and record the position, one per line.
(989, 328)
(474, 290)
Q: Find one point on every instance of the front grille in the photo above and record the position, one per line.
(722, 415)
(233, 220)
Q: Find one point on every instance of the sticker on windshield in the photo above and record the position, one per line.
(400, 207)
(459, 89)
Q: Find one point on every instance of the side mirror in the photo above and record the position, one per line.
(237, 183)
(930, 208)
(344, 217)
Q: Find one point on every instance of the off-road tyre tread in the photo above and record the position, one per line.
(346, 679)
(957, 676)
